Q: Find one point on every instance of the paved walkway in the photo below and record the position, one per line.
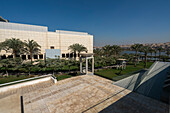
(10, 104)
(90, 94)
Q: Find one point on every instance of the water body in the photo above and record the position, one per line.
(133, 52)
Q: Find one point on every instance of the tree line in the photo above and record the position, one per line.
(31, 47)
(108, 54)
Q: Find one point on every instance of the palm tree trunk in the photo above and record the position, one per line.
(6, 72)
(74, 56)
(14, 54)
(53, 72)
(159, 55)
(135, 59)
(31, 56)
(155, 56)
(145, 60)
(29, 71)
(79, 55)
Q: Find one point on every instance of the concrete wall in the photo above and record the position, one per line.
(149, 83)
(19, 85)
(129, 82)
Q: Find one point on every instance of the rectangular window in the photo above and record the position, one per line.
(63, 55)
(29, 57)
(10, 56)
(3, 57)
(74, 55)
(24, 57)
(35, 56)
(67, 55)
(51, 47)
(71, 55)
(40, 56)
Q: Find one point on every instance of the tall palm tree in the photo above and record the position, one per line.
(77, 48)
(136, 48)
(16, 45)
(73, 49)
(167, 52)
(155, 51)
(145, 51)
(116, 49)
(80, 49)
(160, 49)
(151, 51)
(32, 47)
(98, 52)
(107, 50)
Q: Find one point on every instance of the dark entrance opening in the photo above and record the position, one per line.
(29, 57)
(10, 56)
(67, 55)
(40, 56)
(63, 55)
(35, 56)
(24, 57)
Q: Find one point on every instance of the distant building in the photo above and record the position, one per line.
(59, 39)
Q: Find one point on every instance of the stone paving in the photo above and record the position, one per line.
(26, 89)
(10, 104)
(88, 94)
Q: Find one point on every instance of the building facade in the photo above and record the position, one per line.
(59, 40)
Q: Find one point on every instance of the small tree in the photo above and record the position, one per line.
(55, 64)
(28, 66)
(16, 45)
(6, 63)
(32, 47)
(69, 63)
(77, 48)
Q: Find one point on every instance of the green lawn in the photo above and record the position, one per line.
(61, 77)
(112, 74)
(115, 74)
(66, 75)
(11, 78)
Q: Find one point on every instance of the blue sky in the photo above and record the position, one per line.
(110, 21)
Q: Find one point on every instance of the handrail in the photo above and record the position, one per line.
(24, 80)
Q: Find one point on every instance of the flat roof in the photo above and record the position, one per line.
(86, 54)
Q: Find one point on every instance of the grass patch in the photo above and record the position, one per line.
(12, 79)
(115, 75)
(67, 75)
(62, 77)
